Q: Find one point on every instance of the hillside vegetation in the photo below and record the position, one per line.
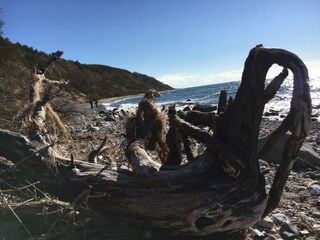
(16, 68)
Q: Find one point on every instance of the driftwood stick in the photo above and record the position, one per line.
(276, 134)
(12, 187)
(142, 164)
(299, 120)
(229, 160)
(189, 147)
(72, 205)
(92, 158)
(222, 104)
(192, 131)
(20, 188)
(290, 153)
(274, 85)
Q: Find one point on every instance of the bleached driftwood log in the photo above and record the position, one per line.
(221, 191)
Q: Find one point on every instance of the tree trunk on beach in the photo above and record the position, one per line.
(220, 193)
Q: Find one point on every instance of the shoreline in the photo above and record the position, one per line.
(88, 129)
(113, 99)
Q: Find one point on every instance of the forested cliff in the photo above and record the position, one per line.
(17, 64)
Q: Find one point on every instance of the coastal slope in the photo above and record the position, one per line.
(17, 64)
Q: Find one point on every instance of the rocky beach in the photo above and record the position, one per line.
(298, 214)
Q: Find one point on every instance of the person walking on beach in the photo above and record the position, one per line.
(96, 102)
(91, 102)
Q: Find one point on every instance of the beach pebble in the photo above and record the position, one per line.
(93, 128)
(109, 118)
(286, 227)
(205, 107)
(280, 219)
(102, 112)
(97, 118)
(266, 223)
(316, 228)
(256, 233)
(316, 215)
(310, 174)
(304, 232)
(288, 236)
(272, 237)
(315, 190)
(302, 188)
(186, 109)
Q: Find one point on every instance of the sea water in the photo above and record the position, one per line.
(209, 94)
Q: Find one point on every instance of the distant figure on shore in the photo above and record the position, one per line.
(91, 102)
(96, 102)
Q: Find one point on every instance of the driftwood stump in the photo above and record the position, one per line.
(221, 192)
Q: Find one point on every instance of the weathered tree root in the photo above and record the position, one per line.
(222, 190)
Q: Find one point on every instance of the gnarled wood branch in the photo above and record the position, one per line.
(222, 190)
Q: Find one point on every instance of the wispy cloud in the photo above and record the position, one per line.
(178, 80)
(182, 80)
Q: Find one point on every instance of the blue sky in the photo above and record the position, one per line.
(180, 42)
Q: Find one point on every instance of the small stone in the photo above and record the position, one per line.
(186, 109)
(266, 223)
(310, 219)
(264, 170)
(75, 170)
(280, 219)
(302, 188)
(272, 237)
(316, 227)
(97, 118)
(302, 198)
(110, 118)
(287, 235)
(310, 174)
(99, 124)
(289, 228)
(205, 107)
(315, 190)
(316, 215)
(304, 232)
(255, 232)
(93, 128)
(263, 163)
